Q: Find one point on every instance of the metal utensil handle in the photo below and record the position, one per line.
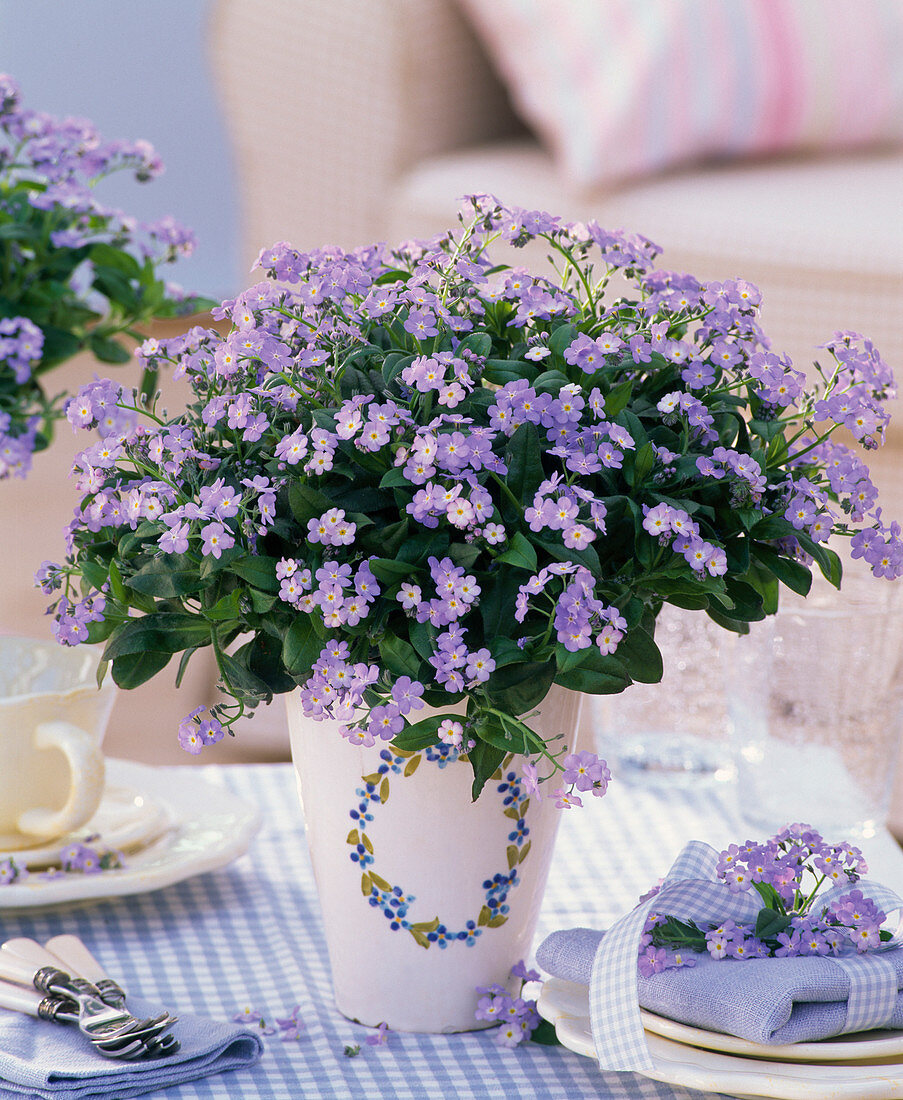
(72, 954)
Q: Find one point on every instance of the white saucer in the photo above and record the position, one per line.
(205, 827)
(125, 819)
(566, 1005)
(841, 1048)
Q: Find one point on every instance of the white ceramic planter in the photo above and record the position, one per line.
(425, 894)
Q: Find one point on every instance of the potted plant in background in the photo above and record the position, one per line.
(74, 274)
(437, 499)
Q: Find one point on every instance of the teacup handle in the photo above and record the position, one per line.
(86, 781)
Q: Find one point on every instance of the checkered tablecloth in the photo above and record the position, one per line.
(249, 935)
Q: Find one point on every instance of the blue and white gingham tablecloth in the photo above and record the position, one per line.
(250, 935)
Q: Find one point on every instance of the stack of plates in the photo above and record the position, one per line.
(169, 824)
(864, 1066)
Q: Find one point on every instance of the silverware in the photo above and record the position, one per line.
(75, 957)
(115, 1033)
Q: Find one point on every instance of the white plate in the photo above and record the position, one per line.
(125, 818)
(841, 1048)
(207, 828)
(566, 1005)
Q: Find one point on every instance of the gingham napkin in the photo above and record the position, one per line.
(42, 1059)
(771, 1000)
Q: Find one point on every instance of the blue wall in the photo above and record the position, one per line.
(139, 70)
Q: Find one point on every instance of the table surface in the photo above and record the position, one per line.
(249, 935)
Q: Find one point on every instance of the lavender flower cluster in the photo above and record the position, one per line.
(75, 273)
(787, 871)
(415, 478)
(516, 1016)
(87, 858)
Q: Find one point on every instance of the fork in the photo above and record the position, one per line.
(78, 960)
(99, 1021)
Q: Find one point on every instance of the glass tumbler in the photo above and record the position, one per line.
(815, 703)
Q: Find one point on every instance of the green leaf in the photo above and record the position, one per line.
(826, 560)
(523, 457)
(225, 608)
(390, 571)
(520, 552)
(793, 573)
(618, 397)
(239, 678)
(506, 738)
(59, 345)
(399, 656)
(773, 527)
(164, 632)
(518, 688)
(106, 255)
(258, 570)
(638, 651)
(301, 646)
(545, 1033)
(116, 287)
(770, 924)
(559, 552)
(422, 734)
(500, 371)
(562, 338)
(596, 675)
(108, 350)
(643, 463)
(484, 759)
(168, 577)
(306, 503)
(133, 669)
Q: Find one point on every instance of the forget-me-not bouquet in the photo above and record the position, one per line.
(74, 273)
(416, 476)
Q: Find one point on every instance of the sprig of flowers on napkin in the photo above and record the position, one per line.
(787, 871)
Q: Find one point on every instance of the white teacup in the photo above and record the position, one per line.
(52, 721)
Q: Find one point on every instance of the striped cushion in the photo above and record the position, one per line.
(622, 88)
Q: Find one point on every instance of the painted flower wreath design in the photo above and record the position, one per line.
(393, 901)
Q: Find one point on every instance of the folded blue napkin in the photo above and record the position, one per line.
(56, 1062)
(774, 1001)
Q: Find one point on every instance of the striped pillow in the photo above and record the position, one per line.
(623, 88)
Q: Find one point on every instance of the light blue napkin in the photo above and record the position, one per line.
(57, 1062)
(774, 1001)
